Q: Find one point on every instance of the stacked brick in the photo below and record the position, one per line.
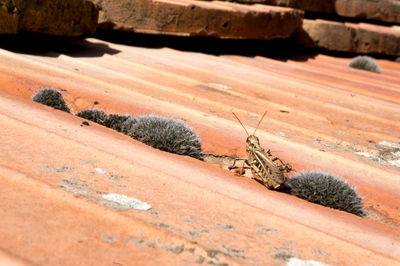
(358, 26)
(198, 18)
(53, 17)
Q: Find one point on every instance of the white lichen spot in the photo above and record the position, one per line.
(80, 192)
(222, 86)
(394, 163)
(396, 153)
(100, 171)
(298, 262)
(390, 144)
(127, 201)
(109, 239)
(366, 154)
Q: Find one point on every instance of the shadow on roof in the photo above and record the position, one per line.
(279, 49)
(53, 46)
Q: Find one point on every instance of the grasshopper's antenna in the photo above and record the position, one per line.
(241, 123)
(259, 122)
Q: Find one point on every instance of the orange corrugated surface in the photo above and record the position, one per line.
(54, 172)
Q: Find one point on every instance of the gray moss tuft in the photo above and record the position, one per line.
(52, 98)
(96, 116)
(327, 190)
(164, 133)
(115, 121)
(365, 63)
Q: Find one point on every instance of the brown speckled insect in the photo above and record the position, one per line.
(265, 168)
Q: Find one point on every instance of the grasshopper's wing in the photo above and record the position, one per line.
(270, 173)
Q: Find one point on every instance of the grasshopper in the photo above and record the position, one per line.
(265, 168)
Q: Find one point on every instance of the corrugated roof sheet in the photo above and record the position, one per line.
(321, 115)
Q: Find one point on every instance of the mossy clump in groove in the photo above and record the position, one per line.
(96, 116)
(365, 63)
(52, 98)
(327, 190)
(115, 121)
(164, 133)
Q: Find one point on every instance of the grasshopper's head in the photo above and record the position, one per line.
(252, 140)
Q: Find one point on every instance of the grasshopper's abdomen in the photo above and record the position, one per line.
(271, 178)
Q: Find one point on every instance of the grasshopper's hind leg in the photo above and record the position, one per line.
(285, 167)
(242, 172)
(233, 166)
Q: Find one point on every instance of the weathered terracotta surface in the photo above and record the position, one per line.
(196, 18)
(55, 17)
(382, 10)
(350, 37)
(321, 115)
